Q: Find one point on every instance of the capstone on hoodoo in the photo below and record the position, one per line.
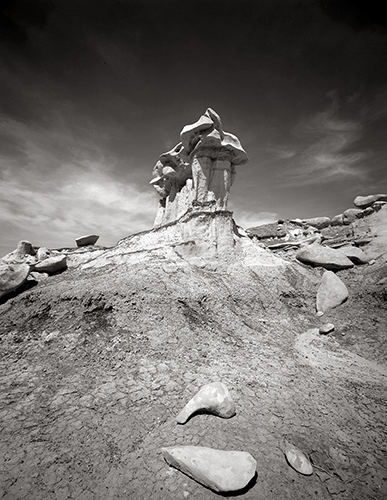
(198, 172)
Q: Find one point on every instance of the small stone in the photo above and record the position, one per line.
(297, 460)
(222, 471)
(326, 328)
(331, 293)
(90, 239)
(320, 313)
(43, 253)
(213, 398)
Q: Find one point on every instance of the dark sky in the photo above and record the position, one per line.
(92, 92)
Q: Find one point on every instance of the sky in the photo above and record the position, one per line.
(92, 92)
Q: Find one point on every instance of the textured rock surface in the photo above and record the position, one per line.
(351, 215)
(43, 253)
(12, 276)
(367, 201)
(318, 255)
(337, 220)
(331, 293)
(90, 239)
(213, 398)
(222, 471)
(24, 253)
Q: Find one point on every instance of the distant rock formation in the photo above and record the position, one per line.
(199, 171)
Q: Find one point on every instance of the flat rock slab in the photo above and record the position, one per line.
(51, 264)
(222, 471)
(90, 239)
(12, 276)
(318, 255)
(213, 398)
(331, 293)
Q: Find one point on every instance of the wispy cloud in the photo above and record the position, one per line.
(327, 150)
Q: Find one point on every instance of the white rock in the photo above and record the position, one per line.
(297, 459)
(326, 328)
(222, 471)
(331, 293)
(43, 253)
(213, 398)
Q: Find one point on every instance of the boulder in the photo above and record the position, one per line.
(355, 254)
(351, 215)
(367, 201)
(24, 254)
(90, 239)
(326, 328)
(331, 293)
(212, 398)
(222, 471)
(337, 220)
(318, 255)
(317, 222)
(12, 276)
(51, 264)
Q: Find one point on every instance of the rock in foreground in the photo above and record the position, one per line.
(12, 276)
(213, 398)
(222, 471)
(297, 459)
(331, 293)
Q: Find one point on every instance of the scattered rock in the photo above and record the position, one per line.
(297, 460)
(368, 211)
(378, 205)
(51, 264)
(90, 239)
(272, 230)
(12, 276)
(351, 215)
(213, 398)
(355, 254)
(318, 255)
(337, 220)
(326, 328)
(331, 293)
(367, 201)
(222, 471)
(318, 222)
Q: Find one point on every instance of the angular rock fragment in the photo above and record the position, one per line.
(222, 471)
(318, 255)
(331, 293)
(213, 398)
(51, 264)
(90, 239)
(337, 220)
(12, 276)
(297, 460)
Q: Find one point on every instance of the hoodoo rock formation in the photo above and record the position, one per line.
(198, 172)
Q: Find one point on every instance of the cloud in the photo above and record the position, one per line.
(57, 186)
(327, 152)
